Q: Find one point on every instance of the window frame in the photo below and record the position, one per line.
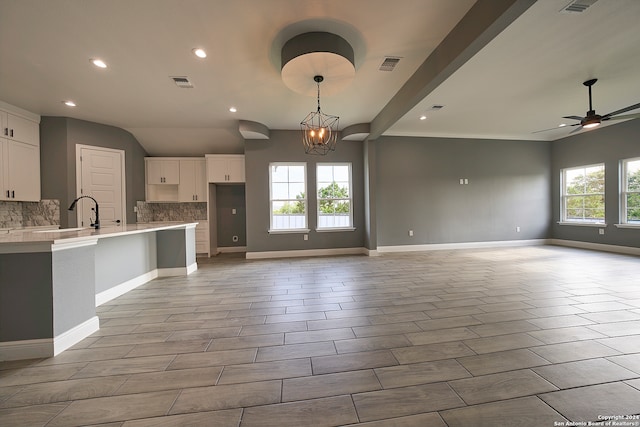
(564, 197)
(349, 227)
(304, 229)
(624, 192)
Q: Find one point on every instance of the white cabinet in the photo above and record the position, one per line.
(162, 171)
(176, 179)
(193, 181)
(202, 237)
(225, 168)
(16, 128)
(19, 158)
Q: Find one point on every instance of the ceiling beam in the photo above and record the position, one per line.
(485, 20)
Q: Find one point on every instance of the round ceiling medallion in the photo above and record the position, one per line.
(317, 53)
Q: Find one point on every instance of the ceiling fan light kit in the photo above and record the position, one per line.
(592, 120)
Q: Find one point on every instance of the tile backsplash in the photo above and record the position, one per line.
(150, 212)
(29, 214)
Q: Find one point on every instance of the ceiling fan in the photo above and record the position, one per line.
(592, 119)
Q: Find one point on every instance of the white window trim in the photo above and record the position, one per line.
(563, 220)
(335, 229)
(622, 185)
(272, 230)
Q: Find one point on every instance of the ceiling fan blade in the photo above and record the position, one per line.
(576, 130)
(625, 117)
(573, 117)
(623, 110)
(557, 127)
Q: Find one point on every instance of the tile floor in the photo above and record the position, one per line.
(533, 336)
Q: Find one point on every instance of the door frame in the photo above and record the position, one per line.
(79, 148)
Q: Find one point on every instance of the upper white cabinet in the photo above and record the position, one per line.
(19, 157)
(225, 168)
(176, 179)
(162, 171)
(193, 181)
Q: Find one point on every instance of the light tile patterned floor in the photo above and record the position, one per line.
(517, 336)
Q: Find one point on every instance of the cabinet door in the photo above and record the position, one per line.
(161, 171)
(216, 169)
(23, 171)
(171, 171)
(187, 186)
(202, 186)
(23, 130)
(235, 169)
(4, 172)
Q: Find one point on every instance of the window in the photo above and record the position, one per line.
(583, 194)
(630, 192)
(334, 196)
(288, 196)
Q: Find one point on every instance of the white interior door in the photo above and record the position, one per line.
(100, 173)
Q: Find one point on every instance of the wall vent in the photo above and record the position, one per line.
(389, 63)
(182, 82)
(578, 6)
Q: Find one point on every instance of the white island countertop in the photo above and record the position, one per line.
(35, 239)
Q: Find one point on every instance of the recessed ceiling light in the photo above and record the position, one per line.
(423, 117)
(233, 109)
(99, 63)
(69, 103)
(199, 52)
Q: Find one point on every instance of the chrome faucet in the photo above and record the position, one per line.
(96, 224)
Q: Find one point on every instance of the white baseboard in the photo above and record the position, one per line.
(123, 288)
(48, 347)
(466, 245)
(75, 335)
(304, 253)
(626, 250)
(231, 249)
(177, 271)
(26, 349)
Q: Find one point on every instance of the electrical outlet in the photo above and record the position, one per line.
(601, 231)
(517, 229)
(305, 237)
(466, 181)
(233, 211)
(410, 233)
(461, 181)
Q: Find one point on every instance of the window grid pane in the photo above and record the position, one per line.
(630, 193)
(583, 194)
(334, 195)
(288, 197)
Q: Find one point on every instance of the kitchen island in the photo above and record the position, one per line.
(52, 280)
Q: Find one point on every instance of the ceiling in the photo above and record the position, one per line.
(523, 80)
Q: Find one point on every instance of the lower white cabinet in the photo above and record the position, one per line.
(202, 237)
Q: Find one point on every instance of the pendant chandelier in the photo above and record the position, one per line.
(319, 130)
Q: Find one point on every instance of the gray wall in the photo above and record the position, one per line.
(26, 299)
(124, 258)
(58, 139)
(607, 145)
(286, 146)
(418, 189)
(230, 197)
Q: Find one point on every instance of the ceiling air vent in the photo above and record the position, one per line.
(436, 107)
(578, 6)
(182, 81)
(389, 63)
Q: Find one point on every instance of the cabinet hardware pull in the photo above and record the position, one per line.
(6, 131)
(8, 194)
(11, 133)
(13, 194)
